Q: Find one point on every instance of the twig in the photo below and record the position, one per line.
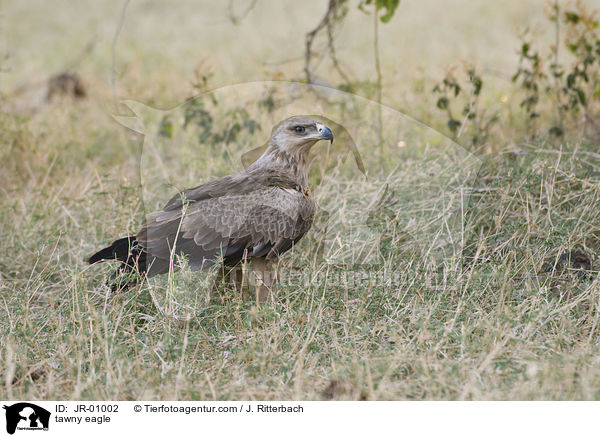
(84, 52)
(236, 20)
(114, 43)
(378, 70)
(556, 79)
(310, 36)
(464, 122)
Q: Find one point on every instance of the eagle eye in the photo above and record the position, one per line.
(300, 129)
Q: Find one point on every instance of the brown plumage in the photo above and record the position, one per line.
(258, 213)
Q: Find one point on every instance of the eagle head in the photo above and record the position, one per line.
(297, 135)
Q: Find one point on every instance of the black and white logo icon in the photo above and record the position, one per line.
(26, 416)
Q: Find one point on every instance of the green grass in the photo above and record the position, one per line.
(456, 307)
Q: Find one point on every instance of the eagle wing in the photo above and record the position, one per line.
(263, 222)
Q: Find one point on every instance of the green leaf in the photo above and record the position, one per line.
(453, 125)
(389, 6)
(477, 84)
(556, 131)
(581, 96)
(442, 103)
(584, 76)
(456, 89)
(165, 128)
(572, 17)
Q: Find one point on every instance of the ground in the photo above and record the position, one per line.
(492, 316)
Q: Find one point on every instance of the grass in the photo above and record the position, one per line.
(423, 279)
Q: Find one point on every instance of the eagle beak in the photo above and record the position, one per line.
(325, 133)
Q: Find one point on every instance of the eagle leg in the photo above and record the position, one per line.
(262, 278)
(233, 277)
(236, 276)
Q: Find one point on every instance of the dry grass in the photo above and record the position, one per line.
(423, 280)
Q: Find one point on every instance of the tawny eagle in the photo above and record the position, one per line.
(256, 214)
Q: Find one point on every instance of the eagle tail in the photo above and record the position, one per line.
(126, 250)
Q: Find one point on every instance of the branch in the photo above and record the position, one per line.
(310, 36)
(331, 47)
